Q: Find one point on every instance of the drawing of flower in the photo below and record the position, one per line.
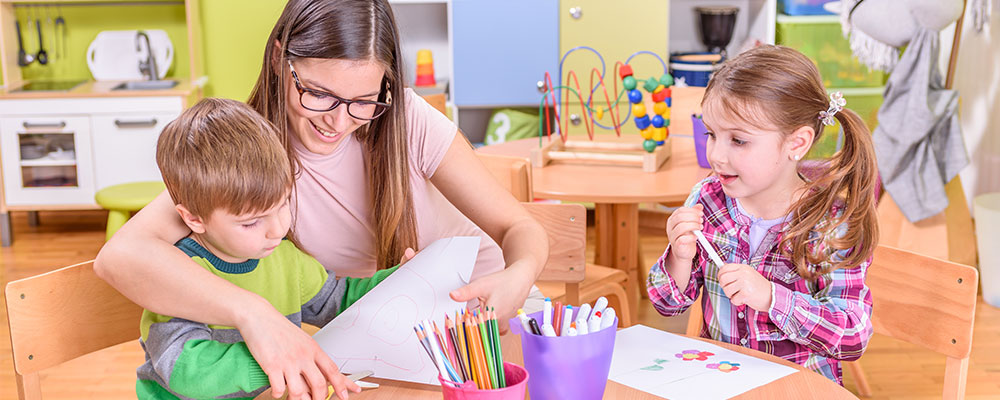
(724, 366)
(688, 355)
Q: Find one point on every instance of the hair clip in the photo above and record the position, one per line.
(837, 103)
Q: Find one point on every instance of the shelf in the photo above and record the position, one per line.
(808, 19)
(48, 163)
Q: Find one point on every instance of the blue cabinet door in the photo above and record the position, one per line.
(501, 49)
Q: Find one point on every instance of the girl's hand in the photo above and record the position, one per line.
(680, 225)
(505, 290)
(745, 286)
(292, 360)
(408, 255)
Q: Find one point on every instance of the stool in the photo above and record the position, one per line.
(122, 199)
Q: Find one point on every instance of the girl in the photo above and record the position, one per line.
(795, 248)
(377, 171)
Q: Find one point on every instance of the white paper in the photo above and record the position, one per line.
(648, 359)
(376, 332)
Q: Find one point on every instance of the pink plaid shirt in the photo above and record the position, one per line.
(814, 324)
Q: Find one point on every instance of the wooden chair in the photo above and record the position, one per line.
(928, 302)
(514, 173)
(61, 315)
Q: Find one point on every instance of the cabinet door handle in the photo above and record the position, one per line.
(576, 12)
(135, 124)
(44, 125)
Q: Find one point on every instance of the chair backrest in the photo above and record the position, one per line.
(513, 173)
(928, 302)
(438, 101)
(61, 315)
(566, 227)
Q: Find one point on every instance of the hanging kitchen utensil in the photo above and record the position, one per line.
(60, 34)
(42, 57)
(23, 58)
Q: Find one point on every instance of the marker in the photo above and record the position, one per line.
(547, 330)
(547, 312)
(534, 327)
(566, 320)
(571, 331)
(524, 320)
(594, 324)
(581, 324)
(709, 248)
(557, 311)
(608, 319)
(599, 305)
(583, 312)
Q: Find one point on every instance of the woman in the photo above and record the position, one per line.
(378, 172)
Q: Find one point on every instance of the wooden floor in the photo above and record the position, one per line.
(895, 370)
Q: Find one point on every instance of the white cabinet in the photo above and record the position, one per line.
(47, 160)
(125, 146)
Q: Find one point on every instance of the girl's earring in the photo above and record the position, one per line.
(796, 157)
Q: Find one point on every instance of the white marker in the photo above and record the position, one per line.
(599, 306)
(581, 325)
(547, 312)
(572, 331)
(567, 319)
(583, 312)
(594, 324)
(524, 320)
(709, 249)
(548, 331)
(608, 319)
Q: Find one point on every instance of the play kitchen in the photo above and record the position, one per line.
(70, 127)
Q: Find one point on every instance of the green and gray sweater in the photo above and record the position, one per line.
(192, 360)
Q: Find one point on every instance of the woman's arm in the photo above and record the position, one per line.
(141, 262)
(491, 207)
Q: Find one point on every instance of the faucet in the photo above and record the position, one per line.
(146, 67)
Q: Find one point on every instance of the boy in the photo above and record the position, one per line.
(230, 179)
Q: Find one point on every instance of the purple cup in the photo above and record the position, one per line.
(566, 367)
(700, 138)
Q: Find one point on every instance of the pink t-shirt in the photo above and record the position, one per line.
(331, 209)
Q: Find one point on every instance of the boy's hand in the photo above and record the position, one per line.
(745, 286)
(680, 225)
(292, 360)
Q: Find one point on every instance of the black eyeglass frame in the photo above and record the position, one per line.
(340, 100)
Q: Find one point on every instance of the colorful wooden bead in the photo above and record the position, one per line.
(657, 121)
(666, 114)
(666, 122)
(625, 70)
(659, 134)
(649, 145)
(599, 113)
(639, 109)
(660, 108)
(634, 96)
(642, 122)
(646, 133)
(660, 95)
(629, 82)
(651, 84)
(667, 80)
(669, 101)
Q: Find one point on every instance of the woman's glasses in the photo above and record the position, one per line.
(319, 101)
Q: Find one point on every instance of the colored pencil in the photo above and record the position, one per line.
(462, 336)
(497, 350)
(488, 351)
(484, 368)
(473, 354)
(453, 341)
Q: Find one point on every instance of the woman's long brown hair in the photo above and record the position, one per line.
(778, 86)
(350, 30)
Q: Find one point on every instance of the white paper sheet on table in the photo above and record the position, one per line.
(376, 332)
(647, 359)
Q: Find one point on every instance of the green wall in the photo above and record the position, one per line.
(233, 36)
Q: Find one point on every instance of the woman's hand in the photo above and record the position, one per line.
(745, 286)
(504, 290)
(292, 360)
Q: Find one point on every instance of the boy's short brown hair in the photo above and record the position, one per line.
(221, 154)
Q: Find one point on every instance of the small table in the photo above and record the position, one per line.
(804, 384)
(618, 190)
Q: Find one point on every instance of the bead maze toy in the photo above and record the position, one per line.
(650, 154)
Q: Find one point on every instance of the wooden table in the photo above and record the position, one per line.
(618, 190)
(803, 385)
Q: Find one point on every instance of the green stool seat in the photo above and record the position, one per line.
(122, 199)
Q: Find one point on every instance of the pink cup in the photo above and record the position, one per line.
(516, 378)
